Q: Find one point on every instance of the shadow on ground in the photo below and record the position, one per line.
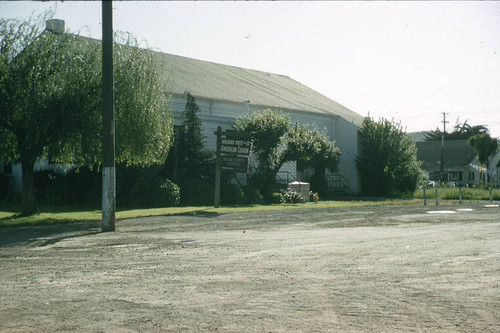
(45, 235)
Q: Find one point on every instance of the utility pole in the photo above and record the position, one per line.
(444, 121)
(441, 170)
(108, 121)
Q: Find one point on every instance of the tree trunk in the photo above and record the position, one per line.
(318, 181)
(29, 206)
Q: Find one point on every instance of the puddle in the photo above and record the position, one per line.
(441, 212)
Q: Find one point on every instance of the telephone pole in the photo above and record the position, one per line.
(108, 121)
(441, 171)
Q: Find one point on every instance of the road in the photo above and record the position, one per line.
(369, 269)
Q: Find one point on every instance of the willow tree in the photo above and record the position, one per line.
(50, 93)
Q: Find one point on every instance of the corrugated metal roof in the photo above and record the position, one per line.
(457, 154)
(223, 82)
(218, 81)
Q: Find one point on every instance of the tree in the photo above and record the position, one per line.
(275, 143)
(485, 146)
(268, 129)
(194, 163)
(50, 93)
(311, 148)
(387, 162)
(193, 159)
(460, 132)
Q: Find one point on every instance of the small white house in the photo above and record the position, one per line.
(461, 165)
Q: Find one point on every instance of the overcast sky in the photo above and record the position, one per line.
(407, 61)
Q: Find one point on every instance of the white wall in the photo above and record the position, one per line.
(346, 137)
(215, 112)
(15, 178)
(493, 168)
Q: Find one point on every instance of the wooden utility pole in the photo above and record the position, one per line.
(108, 121)
(441, 169)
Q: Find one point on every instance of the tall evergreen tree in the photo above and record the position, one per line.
(193, 159)
(194, 170)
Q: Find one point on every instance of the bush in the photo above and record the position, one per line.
(313, 197)
(151, 190)
(231, 194)
(126, 177)
(140, 194)
(137, 187)
(278, 198)
(293, 197)
(197, 192)
(85, 186)
(169, 194)
(51, 188)
(387, 159)
(80, 186)
(252, 195)
(319, 184)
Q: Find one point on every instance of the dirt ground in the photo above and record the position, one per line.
(371, 269)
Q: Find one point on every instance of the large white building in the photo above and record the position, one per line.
(224, 92)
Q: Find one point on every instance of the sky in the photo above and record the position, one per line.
(404, 61)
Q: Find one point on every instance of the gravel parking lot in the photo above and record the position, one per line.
(369, 269)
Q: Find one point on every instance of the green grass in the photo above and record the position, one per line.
(9, 216)
(452, 193)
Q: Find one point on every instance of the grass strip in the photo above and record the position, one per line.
(9, 216)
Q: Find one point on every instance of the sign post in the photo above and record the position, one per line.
(233, 151)
(218, 168)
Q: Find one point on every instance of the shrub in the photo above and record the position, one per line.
(84, 185)
(151, 190)
(169, 194)
(139, 187)
(140, 193)
(126, 177)
(387, 159)
(313, 196)
(51, 188)
(81, 186)
(197, 192)
(293, 197)
(278, 198)
(252, 195)
(319, 183)
(231, 194)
